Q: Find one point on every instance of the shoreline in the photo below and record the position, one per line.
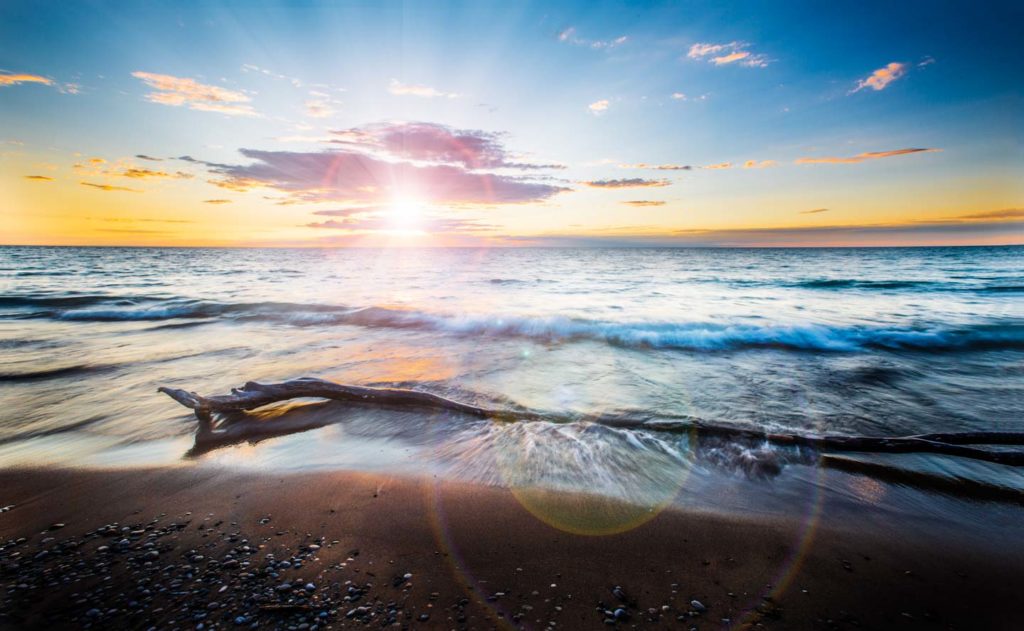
(480, 557)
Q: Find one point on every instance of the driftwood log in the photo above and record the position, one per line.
(254, 395)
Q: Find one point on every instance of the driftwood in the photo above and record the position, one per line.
(254, 395)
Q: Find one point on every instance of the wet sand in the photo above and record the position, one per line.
(180, 548)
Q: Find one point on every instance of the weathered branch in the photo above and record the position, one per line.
(254, 395)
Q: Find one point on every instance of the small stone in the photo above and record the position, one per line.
(698, 605)
(620, 614)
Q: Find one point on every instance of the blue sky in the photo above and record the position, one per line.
(590, 88)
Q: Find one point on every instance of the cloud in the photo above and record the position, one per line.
(861, 157)
(178, 91)
(251, 68)
(763, 164)
(402, 89)
(139, 220)
(657, 167)
(141, 174)
(39, 178)
(385, 222)
(16, 79)
(724, 54)
(719, 166)
(348, 212)
(635, 182)
(108, 187)
(1004, 213)
(814, 212)
(680, 96)
(926, 233)
(431, 142)
(354, 176)
(216, 201)
(142, 156)
(644, 202)
(598, 107)
(569, 36)
(881, 78)
(134, 231)
(319, 108)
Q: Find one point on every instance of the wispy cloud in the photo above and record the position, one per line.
(251, 68)
(1001, 214)
(681, 96)
(348, 212)
(719, 166)
(319, 108)
(881, 78)
(598, 107)
(763, 164)
(861, 157)
(216, 201)
(657, 167)
(179, 91)
(39, 178)
(142, 174)
(644, 202)
(724, 54)
(15, 79)
(385, 222)
(109, 187)
(635, 182)
(925, 233)
(142, 156)
(570, 36)
(814, 211)
(404, 89)
(321, 105)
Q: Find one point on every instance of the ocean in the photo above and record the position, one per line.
(878, 342)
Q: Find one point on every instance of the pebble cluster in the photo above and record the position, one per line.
(202, 573)
(138, 575)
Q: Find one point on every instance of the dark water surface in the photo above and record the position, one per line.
(839, 341)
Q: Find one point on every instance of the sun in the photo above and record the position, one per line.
(405, 215)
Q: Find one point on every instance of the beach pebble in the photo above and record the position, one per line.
(620, 614)
(698, 605)
(310, 587)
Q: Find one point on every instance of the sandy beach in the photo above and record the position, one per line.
(204, 548)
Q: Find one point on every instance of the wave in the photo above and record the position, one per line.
(51, 373)
(696, 336)
(850, 283)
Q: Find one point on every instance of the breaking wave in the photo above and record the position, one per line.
(697, 336)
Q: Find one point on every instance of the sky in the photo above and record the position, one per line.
(511, 123)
